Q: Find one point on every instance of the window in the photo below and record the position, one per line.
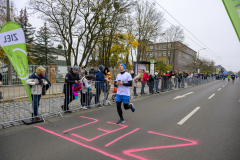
(156, 54)
(164, 53)
(151, 47)
(169, 53)
(164, 46)
(160, 46)
(160, 53)
(156, 47)
(169, 45)
(151, 54)
(147, 54)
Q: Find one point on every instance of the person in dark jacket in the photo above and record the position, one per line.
(151, 83)
(156, 79)
(0, 77)
(72, 77)
(92, 71)
(99, 84)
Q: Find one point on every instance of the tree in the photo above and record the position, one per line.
(149, 23)
(174, 36)
(43, 47)
(29, 31)
(162, 66)
(3, 20)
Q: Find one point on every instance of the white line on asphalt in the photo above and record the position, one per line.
(219, 89)
(188, 116)
(211, 96)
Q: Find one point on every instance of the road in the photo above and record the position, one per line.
(201, 123)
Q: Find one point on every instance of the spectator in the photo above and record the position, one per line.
(131, 72)
(83, 72)
(0, 77)
(92, 71)
(71, 78)
(151, 83)
(85, 94)
(164, 83)
(156, 78)
(144, 81)
(109, 77)
(135, 80)
(99, 84)
(37, 80)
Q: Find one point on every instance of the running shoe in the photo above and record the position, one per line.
(83, 107)
(121, 121)
(132, 108)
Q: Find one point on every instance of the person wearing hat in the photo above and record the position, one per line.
(123, 82)
(72, 77)
(85, 94)
(99, 84)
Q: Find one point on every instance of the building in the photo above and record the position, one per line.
(180, 56)
(218, 69)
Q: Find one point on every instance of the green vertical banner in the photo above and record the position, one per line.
(233, 10)
(12, 40)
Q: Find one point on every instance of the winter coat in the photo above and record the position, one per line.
(70, 79)
(145, 78)
(99, 84)
(157, 77)
(36, 89)
(86, 84)
(135, 80)
(93, 72)
(0, 77)
(151, 80)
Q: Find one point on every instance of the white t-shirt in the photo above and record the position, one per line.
(124, 90)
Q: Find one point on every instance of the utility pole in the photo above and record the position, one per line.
(9, 63)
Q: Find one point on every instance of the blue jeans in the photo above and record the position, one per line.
(156, 85)
(142, 88)
(35, 103)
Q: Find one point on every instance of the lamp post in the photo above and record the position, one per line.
(197, 57)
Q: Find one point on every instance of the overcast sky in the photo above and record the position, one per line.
(207, 20)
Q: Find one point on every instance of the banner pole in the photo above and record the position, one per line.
(9, 63)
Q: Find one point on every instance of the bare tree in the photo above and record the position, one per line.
(172, 36)
(149, 22)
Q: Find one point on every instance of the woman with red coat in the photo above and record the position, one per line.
(144, 81)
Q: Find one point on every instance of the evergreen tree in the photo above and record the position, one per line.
(29, 31)
(44, 47)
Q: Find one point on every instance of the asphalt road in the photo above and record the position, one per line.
(203, 123)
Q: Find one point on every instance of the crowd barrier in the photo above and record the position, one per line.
(15, 105)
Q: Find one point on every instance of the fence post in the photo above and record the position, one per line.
(52, 71)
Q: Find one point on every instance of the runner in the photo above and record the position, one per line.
(229, 77)
(233, 78)
(123, 81)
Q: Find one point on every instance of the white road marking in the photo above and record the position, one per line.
(211, 96)
(219, 89)
(188, 116)
(183, 95)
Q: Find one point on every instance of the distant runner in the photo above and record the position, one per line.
(233, 78)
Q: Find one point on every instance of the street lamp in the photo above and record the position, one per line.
(200, 50)
(198, 57)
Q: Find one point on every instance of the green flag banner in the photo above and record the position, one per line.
(233, 10)
(12, 40)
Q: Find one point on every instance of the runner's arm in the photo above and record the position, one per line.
(129, 84)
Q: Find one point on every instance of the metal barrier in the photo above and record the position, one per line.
(15, 105)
